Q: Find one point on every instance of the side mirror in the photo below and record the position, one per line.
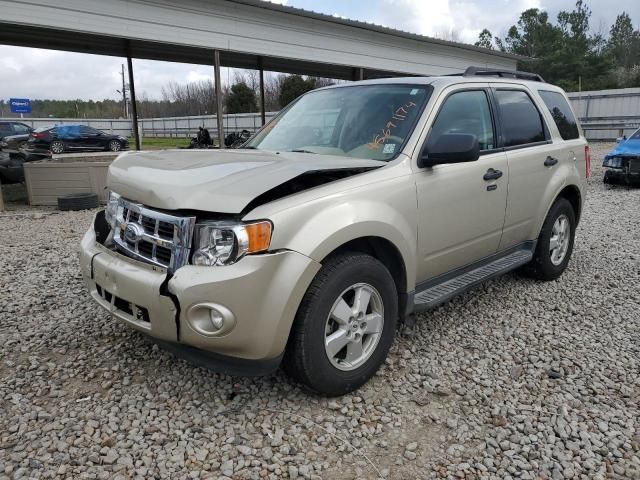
(450, 148)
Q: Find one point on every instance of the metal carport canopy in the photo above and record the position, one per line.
(287, 39)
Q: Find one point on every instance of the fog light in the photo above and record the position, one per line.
(216, 319)
(210, 319)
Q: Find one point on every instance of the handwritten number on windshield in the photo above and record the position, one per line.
(398, 116)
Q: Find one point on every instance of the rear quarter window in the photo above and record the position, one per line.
(561, 113)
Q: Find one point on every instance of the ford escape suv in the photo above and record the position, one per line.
(356, 206)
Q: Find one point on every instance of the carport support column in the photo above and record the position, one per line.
(134, 107)
(219, 118)
(263, 113)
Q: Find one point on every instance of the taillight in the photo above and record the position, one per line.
(587, 161)
(38, 135)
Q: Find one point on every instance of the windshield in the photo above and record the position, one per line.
(362, 121)
(635, 135)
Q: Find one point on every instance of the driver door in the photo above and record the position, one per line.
(461, 206)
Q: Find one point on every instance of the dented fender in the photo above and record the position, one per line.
(386, 209)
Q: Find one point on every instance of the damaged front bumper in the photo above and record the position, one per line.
(258, 297)
(622, 169)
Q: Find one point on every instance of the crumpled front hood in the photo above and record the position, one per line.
(223, 181)
(625, 148)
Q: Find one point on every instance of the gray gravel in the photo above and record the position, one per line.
(517, 379)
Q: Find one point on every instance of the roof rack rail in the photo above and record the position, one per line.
(492, 72)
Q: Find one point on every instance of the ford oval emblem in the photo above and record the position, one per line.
(133, 232)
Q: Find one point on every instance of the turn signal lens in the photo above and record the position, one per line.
(259, 236)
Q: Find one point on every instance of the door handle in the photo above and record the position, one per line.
(550, 161)
(492, 174)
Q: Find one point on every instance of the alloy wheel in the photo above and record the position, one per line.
(354, 326)
(57, 147)
(560, 239)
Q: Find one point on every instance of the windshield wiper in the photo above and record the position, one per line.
(302, 151)
(250, 147)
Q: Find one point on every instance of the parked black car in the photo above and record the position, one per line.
(14, 146)
(8, 128)
(12, 136)
(73, 138)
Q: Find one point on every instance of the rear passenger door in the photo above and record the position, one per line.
(533, 160)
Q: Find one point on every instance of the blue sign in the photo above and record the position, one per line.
(20, 105)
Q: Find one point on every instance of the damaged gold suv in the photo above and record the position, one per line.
(356, 206)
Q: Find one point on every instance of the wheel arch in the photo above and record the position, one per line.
(573, 195)
(382, 250)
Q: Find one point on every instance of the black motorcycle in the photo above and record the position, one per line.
(237, 139)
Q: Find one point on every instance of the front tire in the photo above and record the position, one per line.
(344, 326)
(555, 243)
(114, 146)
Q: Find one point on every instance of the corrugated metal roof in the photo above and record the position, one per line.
(372, 27)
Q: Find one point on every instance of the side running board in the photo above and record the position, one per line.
(449, 287)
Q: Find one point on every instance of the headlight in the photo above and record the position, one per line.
(224, 243)
(613, 162)
(111, 211)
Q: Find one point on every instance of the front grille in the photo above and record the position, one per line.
(151, 236)
(634, 165)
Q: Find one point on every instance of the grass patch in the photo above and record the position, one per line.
(159, 143)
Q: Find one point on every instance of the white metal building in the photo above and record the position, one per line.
(607, 114)
(249, 34)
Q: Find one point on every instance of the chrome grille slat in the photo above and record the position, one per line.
(153, 247)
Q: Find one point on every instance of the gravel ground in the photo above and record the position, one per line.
(517, 379)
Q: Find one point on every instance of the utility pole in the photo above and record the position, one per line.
(124, 95)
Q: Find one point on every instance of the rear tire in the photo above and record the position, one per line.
(78, 201)
(353, 300)
(555, 243)
(56, 147)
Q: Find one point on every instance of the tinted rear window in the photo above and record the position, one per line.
(521, 120)
(561, 113)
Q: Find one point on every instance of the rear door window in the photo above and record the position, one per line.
(561, 113)
(521, 121)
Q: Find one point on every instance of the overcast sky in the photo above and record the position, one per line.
(33, 73)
